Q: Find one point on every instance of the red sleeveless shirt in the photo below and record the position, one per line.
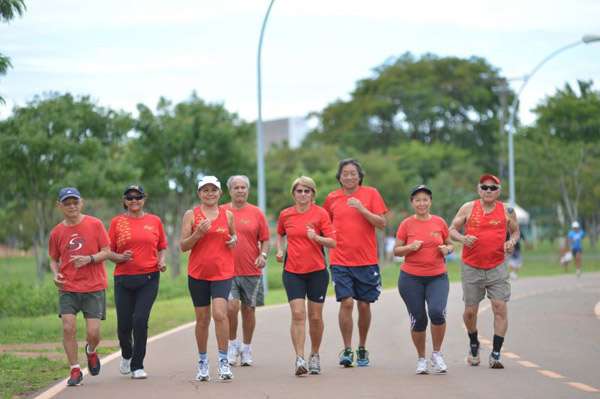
(211, 259)
(490, 229)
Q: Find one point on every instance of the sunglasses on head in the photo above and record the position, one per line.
(485, 187)
(303, 191)
(134, 197)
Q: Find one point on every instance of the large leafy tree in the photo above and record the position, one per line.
(430, 99)
(9, 9)
(56, 141)
(177, 144)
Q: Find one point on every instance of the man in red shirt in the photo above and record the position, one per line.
(355, 211)
(78, 247)
(484, 270)
(250, 256)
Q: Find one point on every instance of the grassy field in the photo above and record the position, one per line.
(26, 374)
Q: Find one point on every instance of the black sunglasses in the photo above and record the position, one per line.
(134, 197)
(490, 188)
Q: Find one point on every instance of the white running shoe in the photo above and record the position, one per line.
(314, 363)
(203, 371)
(246, 356)
(421, 366)
(125, 366)
(300, 366)
(139, 374)
(438, 365)
(225, 370)
(233, 352)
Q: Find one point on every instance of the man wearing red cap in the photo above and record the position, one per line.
(486, 222)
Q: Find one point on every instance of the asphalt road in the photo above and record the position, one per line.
(552, 350)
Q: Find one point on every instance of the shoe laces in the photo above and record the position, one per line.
(362, 353)
(93, 359)
(75, 373)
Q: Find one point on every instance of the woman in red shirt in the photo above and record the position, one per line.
(208, 231)
(138, 243)
(424, 242)
(308, 230)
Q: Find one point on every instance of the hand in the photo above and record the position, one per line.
(232, 241)
(279, 256)
(260, 262)
(126, 256)
(444, 249)
(80, 260)
(59, 280)
(355, 203)
(162, 267)
(415, 245)
(469, 240)
(310, 233)
(202, 227)
(509, 247)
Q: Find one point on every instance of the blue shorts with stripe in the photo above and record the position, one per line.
(362, 283)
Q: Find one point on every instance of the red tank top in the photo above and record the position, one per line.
(490, 229)
(211, 259)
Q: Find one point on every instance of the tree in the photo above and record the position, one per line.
(8, 10)
(433, 100)
(178, 144)
(53, 142)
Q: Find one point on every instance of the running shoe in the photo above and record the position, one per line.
(203, 371)
(438, 365)
(346, 357)
(125, 366)
(139, 374)
(473, 355)
(93, 361)
(75, 378)
(495, 362)
(233, 352)
(246, 356)
(225, 370)
(421, 366)
(300, 366)
(314, 363)
(362, 357)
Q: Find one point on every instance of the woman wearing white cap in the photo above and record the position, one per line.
(208, 231)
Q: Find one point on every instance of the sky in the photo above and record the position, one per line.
(123, 53)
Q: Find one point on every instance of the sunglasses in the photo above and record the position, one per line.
(134, 197)
(488, 188)
(303, 191)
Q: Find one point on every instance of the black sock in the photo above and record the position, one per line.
(473, 338)
(498, 341)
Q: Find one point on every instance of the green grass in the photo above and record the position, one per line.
(21, 375)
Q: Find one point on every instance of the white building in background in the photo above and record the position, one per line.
(291, 130)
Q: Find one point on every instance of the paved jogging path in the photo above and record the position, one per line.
(552, 351)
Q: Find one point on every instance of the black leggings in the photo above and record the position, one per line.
(418, 290)
(134, 297)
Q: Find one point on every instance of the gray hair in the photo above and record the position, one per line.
(243, 178)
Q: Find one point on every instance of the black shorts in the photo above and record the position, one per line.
(311, 285)
(202, 291)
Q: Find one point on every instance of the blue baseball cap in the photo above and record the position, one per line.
(68, 192)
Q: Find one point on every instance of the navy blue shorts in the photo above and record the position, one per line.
(309, 285)
(202, 291)
(362, 283)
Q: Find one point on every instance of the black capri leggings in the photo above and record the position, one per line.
(416, 291)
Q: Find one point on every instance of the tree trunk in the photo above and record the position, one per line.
(40, 242)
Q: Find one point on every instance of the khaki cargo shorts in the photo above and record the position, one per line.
(476, 282)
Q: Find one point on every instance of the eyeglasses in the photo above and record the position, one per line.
(134, 197)
(485, 187)
(303, 191)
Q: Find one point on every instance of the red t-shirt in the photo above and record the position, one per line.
(428, 260)
(303, 254)
(143, 236)
(356, 238)
(251, 229)
(86, 238)
(490, 229)
(211, 259)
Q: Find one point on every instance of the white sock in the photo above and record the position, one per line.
(234, 342)
(87, 349)
(245, 347)
(75, 366)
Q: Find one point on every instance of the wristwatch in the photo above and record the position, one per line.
(264, 255)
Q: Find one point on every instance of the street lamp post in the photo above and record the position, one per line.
(587, 39)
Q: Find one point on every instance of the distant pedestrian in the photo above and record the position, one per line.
(308, 230)
(486, 222)
(575, 238)
(208, 231)
(78, 247)
(138, 245)
(424, 242)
